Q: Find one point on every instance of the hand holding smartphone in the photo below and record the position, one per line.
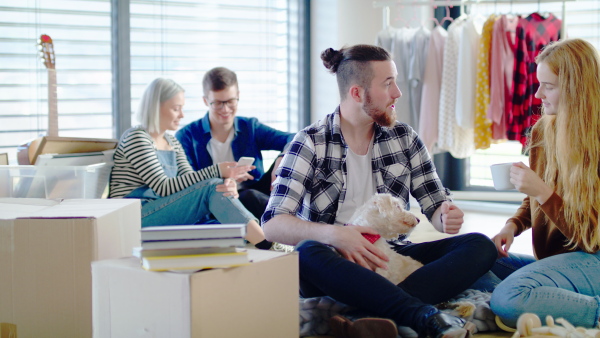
(245, 161)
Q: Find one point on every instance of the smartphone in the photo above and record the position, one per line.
(245, 161)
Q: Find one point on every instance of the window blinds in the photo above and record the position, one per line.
(177, 39)
(184, 39)
(81, 34)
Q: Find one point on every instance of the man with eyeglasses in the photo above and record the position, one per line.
(221, 136)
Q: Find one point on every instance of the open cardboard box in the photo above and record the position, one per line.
(255, 300)
(29, 152)
(46, 250)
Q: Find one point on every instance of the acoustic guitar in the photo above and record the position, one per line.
(49, 59)
(26, 153)
(51, 143)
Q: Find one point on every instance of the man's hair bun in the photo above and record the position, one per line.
(332, 59)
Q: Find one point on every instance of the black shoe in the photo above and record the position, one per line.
(442, 325)
(343, 327)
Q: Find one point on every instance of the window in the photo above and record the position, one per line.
(184, 39)
(582, 20)
(258, 39)
(81, 34)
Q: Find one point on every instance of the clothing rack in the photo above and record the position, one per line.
(387, 4)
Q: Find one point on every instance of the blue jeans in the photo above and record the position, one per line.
(565, 285)
(502, 268)
(193, 204)
(450, 266)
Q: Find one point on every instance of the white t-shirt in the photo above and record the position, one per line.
(360, 186)
(221, 152)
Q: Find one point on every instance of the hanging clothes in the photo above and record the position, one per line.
(467, 75)
(385, 38)
(396, 41)
(418, 55)
(502, 63)
(408, 47)
(533, 34)
(401, 55)
(464, 133)
(447, 110)
(483, 125)
(432, 83)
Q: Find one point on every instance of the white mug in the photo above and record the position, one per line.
(501, 176)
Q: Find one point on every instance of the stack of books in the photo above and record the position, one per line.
(192, 247)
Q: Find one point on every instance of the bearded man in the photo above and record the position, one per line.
(334, 166)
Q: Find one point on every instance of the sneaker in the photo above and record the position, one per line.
(442, 325)
(281, 247)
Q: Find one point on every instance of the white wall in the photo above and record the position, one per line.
(335, 23)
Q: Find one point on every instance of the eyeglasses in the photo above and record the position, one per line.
(231, 103)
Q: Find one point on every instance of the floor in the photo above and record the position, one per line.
(486, 222)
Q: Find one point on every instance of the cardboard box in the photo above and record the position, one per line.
(28, 153)
(46, 250)
(256, 300)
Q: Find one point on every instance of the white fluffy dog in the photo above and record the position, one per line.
(386, 214)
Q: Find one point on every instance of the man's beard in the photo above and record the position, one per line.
(381, 117)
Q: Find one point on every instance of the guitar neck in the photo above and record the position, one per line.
(52, 104)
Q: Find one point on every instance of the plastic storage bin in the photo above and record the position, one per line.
(30, 181)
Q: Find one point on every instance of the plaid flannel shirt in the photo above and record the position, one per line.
(311, 179)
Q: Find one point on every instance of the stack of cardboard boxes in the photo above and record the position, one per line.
(66, 271)
(66, 268)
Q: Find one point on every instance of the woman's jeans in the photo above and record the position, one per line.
(565, 285)
(193, 204)
(502, 268)
(450, 266)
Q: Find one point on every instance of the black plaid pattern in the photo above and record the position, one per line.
(310, 179)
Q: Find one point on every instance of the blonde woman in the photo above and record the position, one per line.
(563, 196)
(151, 165)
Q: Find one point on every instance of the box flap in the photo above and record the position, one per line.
(256, 255)
(11, 208)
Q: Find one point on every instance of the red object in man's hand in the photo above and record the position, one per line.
(371, 238)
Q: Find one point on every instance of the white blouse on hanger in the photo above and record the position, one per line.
(432, 83)
(447, 111)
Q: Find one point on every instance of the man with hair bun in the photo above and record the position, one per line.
(334, 166)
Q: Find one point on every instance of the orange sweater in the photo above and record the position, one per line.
(549, 238)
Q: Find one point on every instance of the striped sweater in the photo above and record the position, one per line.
(137, 164)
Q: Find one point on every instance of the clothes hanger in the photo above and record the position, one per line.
(447, 17)
(434, 19)
(410, 21)
(401, 19)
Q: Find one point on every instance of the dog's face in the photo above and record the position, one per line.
(386, 214)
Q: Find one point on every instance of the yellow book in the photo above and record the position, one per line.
(195, 262)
